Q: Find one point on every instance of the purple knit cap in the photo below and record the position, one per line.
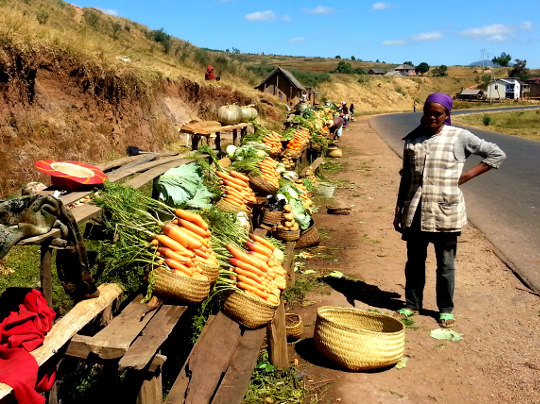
(445, 100)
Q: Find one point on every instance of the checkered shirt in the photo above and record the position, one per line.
(433, 166)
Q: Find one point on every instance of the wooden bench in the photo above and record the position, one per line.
(207, 129)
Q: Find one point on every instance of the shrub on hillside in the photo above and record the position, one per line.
(42, 16)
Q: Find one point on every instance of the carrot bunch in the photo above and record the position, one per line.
(184, 243)
(268, 167)
(273, 140)
(258, 274)
(236, 188)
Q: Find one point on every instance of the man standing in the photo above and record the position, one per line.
(337, 127)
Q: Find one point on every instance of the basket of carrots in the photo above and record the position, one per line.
(259, 281)
(236, 190)
(268, 183)
(186, 263)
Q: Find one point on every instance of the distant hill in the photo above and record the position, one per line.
(488, 63)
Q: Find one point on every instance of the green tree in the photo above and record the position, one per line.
(353, 58)
(502, 60)
(408, 62)
(359, 71)
(377, 61)
(344, 68)
(440, 71)
(422, 68)
(337, 57)
(519, 69)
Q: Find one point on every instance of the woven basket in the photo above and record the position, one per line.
(338, 210)
(335, 153)
(211, 271)
(225, 206)
(177, 287)
(309, 237)
(247, 311)
(287, 235)
(293, 326)
(272, 217)
(261, 185)
(359, 340)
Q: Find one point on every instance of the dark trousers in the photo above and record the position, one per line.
(415, 271)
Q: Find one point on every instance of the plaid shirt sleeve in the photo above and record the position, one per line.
(468, 144)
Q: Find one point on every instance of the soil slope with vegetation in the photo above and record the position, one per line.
(79, 84)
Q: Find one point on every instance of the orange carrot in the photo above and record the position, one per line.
(245, 286)
(193, 227)
(252, 282)
(238, 175)
(263, 241)
(247, 267)
(243, 256)
(201, 253)
(258, 247)
(179, 267)
(185, 237)
(247, 274)
(192, 217)
(167, 252)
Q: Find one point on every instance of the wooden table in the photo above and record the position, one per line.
(208, 128)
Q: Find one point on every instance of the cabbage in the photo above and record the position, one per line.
(230, 151)
(183, 187)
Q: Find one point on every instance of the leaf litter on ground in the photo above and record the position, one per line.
(446, 334)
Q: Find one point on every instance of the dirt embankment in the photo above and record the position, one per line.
(52, 107)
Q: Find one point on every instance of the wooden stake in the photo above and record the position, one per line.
(277, 339)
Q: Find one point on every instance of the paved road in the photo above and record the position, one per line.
(504, 204)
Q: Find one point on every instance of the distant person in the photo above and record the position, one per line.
(351, 112)
(415, 104)
(430, 206)
(218, 78)
(345, 111)
(337, 127)
(210, 74)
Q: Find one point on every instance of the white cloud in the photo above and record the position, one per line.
(423, 37)
(496, 38)
(527, 26)
(488, 30)
(297, 40)
(381, 6)
(110, 11)
(427, 36)
(261, 16)
(286, 18)
(319, 10)
(399, 42)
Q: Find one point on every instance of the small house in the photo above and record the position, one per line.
(471, 94)
(508, 88)
(534, 84)
(406, 70)
(283, 84)
(393, 74)
(376, 71)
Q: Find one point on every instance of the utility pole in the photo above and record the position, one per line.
(482, 56)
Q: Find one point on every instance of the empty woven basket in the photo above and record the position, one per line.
(359, 340)
(247, 311)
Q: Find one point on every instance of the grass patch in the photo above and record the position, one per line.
(269, 385)
(304, 284)
(524, 124)
(371, 240)
(332, 166)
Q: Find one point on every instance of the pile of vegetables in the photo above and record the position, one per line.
(273, 141)
(288, 223)
(236, 189)
(268, 167)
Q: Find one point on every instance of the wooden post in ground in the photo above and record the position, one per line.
(151, 390)
(218, 141)
(46, 271)
(277, 339)
(234, 136)
(288, 265)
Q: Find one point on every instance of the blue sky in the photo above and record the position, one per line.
(437, 32)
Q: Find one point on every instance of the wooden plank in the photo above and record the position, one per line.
(261, 232)
(207, 131)
(210, 358)
(70, 324)
(178, 390)
(204, 124)
(277, 339)
(118, 163)
(142, 179)
(232, 388)
(144, 159)
(151, 391)
(114, 340)
(142, 167)
(288, 265)
(314, 165)
(154, 334)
